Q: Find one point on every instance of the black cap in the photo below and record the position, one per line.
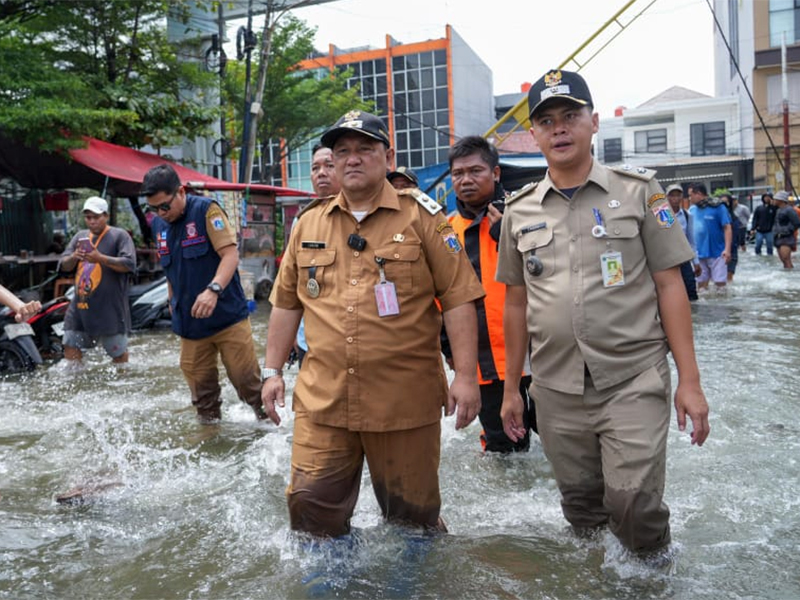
(558, 84)
(404, 172)
(356, 120)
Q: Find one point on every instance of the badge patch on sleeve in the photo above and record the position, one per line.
(654, 199)
(451, 242)
(218, 223)
(664, 215)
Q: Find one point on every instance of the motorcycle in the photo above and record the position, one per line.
(18, 352)
(150, 304)
(48, 327)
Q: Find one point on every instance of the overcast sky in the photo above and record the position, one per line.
(671, 43)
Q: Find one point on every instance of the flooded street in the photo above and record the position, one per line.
(187, 511)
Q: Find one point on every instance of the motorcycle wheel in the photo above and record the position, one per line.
(13, 359)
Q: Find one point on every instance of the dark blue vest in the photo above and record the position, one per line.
(190, 263)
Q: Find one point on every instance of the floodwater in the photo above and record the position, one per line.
(199, 512)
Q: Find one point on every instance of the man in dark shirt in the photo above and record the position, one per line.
(99, 311)
(763, 221)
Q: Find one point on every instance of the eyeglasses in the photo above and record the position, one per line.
(165, 207)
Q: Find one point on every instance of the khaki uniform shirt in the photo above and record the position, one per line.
(574, 321)
(362, 371)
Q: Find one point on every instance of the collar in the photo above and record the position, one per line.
(386, 198)
(598, 175)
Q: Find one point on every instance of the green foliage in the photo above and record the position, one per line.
(296, 104)
(98, 68)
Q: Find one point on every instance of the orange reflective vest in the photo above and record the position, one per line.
(481, 250)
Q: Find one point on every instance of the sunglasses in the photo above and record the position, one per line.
(162, 207)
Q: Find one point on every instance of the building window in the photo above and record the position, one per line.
(650, 141)
(421, 108)
(784, 19)
(708, 138)
(733, 34)
(612, 150)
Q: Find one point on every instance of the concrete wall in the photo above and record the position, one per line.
(472, 89)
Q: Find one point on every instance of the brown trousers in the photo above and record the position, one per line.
(608, 452)
(199, 365)
(326, 475)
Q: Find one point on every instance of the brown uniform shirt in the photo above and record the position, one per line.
(218, 227)
(362, 371)
(573, 319)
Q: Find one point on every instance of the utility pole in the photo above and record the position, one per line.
(787, 151)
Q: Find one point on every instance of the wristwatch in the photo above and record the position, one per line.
(214, 287)
(267, 373)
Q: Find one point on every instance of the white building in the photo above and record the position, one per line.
(685, 135)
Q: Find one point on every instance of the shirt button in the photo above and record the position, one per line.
(356, 253)
(575, 268)
(313, 261)
(350, 340)
(354, 282)
(351, 370)
(350, 309)
(577, 300)
(616, 231)
(574, 238)
(397, 256)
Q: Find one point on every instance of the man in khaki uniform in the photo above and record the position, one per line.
(364, 268)
(591, 255)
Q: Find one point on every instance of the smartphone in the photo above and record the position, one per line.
(499, 205)
(84, 244)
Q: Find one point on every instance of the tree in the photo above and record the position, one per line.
(275, 10)
(296, 104)
(98, 68)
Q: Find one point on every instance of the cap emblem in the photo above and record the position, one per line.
(552, 78)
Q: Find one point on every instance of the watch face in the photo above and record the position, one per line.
(215, 287)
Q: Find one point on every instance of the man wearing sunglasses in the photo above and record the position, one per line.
(197, 249)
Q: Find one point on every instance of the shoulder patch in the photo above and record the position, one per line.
(422, 198)
(524, 190)
(653, 199)
(635, 172)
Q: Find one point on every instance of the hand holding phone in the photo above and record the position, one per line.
(85, 245)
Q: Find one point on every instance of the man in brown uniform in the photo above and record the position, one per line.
(364, 269)
(592, 256)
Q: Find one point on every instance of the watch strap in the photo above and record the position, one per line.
(266, 373)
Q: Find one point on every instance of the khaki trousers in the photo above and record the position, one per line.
(326, 475)
(199, 365)
(608, 452)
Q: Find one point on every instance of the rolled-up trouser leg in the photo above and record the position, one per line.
(199, 367)
(633, 435)
(404, 468)
(238, 353)
(326, 476)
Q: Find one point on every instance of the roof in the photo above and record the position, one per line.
(105, 166)
(673, 94)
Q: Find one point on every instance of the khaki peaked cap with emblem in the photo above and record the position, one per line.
(557, 84)
(360, 122)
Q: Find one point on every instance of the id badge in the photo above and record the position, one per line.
(611, 264)
(386, 299)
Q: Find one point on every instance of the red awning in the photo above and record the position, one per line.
(104, 166)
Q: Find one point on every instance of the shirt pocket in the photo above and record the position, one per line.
(401, 265)
(194, 249)
(622, 235)
(320, 263)
(539, 243)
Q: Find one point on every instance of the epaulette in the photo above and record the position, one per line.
(312, 204)
(426, 201)
(525, 189)
(637, 172)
